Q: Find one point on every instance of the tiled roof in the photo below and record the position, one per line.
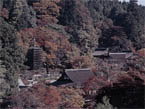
(121, 55)
(117, 55)
(79, 76)
(100, 53)
(105, 52)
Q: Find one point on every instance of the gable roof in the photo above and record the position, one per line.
(79, 76)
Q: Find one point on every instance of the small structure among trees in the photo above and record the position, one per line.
(34, 56)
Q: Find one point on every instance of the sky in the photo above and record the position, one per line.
(142, 2)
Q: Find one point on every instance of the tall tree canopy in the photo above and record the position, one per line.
(10, 54)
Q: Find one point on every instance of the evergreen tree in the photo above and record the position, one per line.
(21, 15)
(11, 56)
(134, 23)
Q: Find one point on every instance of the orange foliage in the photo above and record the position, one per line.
(47, 11)
(141, 52)
(71, 98)
(50, 96)
(132, 77)
(51, 41)
(96, 83)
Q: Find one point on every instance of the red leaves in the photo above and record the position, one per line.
(47, 11)
(133, 77)
(96, 83)
(48, 96)
(52, 42)
(141, 52)
(122, 80)
(71, 98)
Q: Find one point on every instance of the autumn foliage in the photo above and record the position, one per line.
(68, 31)
(121, 90)
(47, 11)
(43, 97)
(39, 96)
(47, 95)
(141, 52)
(54, 44)
(71, 97)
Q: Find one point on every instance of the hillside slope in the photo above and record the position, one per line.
(68, 31)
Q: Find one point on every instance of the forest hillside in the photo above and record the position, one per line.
(68, 31)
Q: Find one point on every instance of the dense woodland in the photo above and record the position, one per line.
(68, 31)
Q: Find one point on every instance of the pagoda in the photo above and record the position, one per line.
(34, 56)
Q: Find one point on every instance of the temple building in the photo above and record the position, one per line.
(115, 60)
(79, 76)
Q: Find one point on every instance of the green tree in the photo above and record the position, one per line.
(76, 15)
(11, 55)
(134, 24)
(21, 15)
